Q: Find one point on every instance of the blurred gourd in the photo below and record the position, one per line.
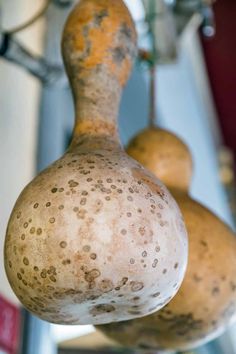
(95, 237)
(206, 302)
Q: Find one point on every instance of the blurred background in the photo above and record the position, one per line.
(193, 45)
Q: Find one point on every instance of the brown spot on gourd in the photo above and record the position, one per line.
(101, 309)
(134, 312)
(136, 298)
(204, 243)
(63, 244)
(105, 285)
(39, 231)
(66, 261)
(26, 261)
(154, 264)
(119, 55)
(86, 248)
(93, 256)
(156, 294)
(93, 274)
(81, 214)
(233, 286)
(54, 190)
(215, 291)
(136, 286)
(43, 273)
(141, 230)
(83, 201)
(73, 184)
(52, 278)
(124, 280)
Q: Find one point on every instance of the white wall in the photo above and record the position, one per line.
(19, 95)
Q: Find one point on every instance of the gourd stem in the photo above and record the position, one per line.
(152, 95)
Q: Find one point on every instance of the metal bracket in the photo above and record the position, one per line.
(49, 73)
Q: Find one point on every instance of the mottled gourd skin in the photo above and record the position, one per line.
(95, 238)
(206, 302)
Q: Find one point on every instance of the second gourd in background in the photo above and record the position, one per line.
(206, 302)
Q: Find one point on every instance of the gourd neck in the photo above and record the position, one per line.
(97, 102)
(98, 47)
(91, 142)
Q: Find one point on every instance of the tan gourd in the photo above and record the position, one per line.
(95, 237)
(206, 301)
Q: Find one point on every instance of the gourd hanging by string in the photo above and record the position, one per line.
(206, 302)
(95, 237)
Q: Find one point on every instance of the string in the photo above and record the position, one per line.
(152, 95)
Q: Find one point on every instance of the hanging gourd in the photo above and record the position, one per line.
(206, 302)
(95, 237)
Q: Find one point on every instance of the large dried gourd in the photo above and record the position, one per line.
(95, 237)
(206, 302)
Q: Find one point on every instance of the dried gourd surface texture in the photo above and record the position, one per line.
(96, 238)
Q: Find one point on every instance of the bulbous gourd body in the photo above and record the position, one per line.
(95, 237)
(206, 301)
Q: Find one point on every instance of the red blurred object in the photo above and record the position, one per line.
(9, 326)
(220, 55)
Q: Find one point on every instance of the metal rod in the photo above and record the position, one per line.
(152, 94)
